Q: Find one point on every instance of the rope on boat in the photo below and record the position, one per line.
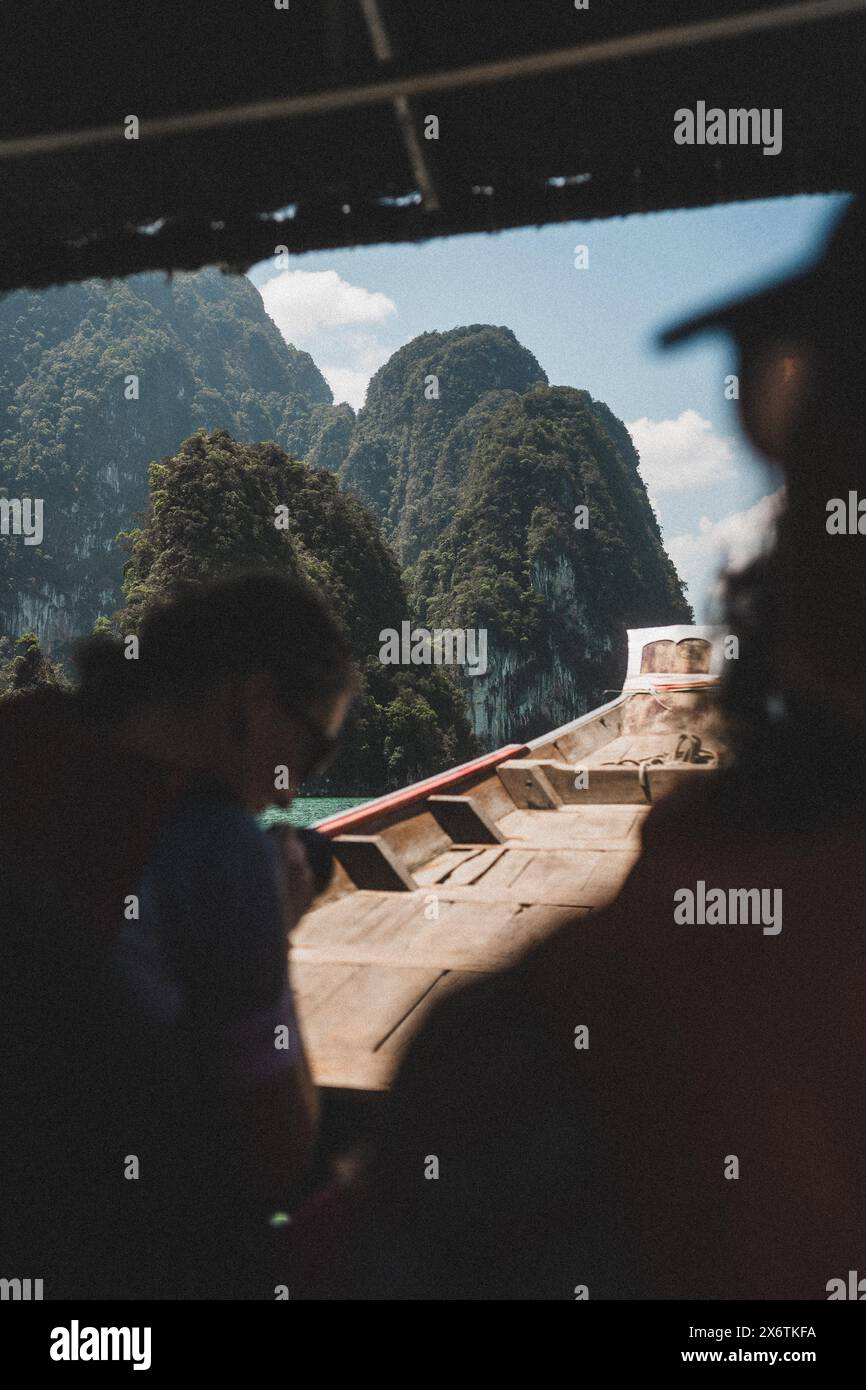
(689, 749)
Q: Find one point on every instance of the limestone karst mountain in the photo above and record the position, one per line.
(478, 489)
(555, 550)
(470, 466)
(99, 379)
(423, 410)
(211, 511)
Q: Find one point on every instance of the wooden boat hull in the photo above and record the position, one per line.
(462, 873)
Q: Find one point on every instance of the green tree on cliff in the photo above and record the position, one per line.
(404, 461)
(213, 509)
(555, 598)
(24, 667)
(98, 378)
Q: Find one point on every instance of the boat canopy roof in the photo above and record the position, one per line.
(167, 136)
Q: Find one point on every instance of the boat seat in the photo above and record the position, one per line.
(526, 781)
(370, 862)
(464, 819)
(663, 780)
(614, 786)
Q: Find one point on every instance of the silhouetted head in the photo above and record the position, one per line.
(802, 354)
(247, 679)
(802, 363)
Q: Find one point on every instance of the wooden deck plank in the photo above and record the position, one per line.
(359, 1005)
(379, 925)
(577, 826)
(609, 874)
(350, 1058)
(555, 872)
(563, 894)
(374, 1068)
(502, 872)
(444, 864)
(658, 742)
(552, 841)
(346, 917)
(394, 914)
(351, 1070)
(395, 1047)
(396, 1043)
(313, 987)
(465, 937)
(476, 867)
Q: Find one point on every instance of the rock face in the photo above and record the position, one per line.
(556, 550)
(480, 490)
(423, 411)
(78, 431)
(212, 509)
(472, 465)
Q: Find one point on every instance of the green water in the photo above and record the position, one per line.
(307, 809)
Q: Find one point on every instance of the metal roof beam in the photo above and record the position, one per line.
(531, 65)
(402, 107)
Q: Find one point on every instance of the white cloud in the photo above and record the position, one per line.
(362, 354)
(335, 322)
(681, 453)
(347, 385)
(301, 302)
(725, 545)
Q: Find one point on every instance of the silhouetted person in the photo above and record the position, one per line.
(156, 1096)
(708, 1141)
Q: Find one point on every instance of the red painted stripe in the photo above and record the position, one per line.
(686, 685)
(353, 820)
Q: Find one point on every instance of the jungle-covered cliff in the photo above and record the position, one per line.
(450, 500)
(96, 381)
(553, 548)
(424, 408)
(213, 509)
(479, 489)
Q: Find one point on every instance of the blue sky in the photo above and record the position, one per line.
(592, 328)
